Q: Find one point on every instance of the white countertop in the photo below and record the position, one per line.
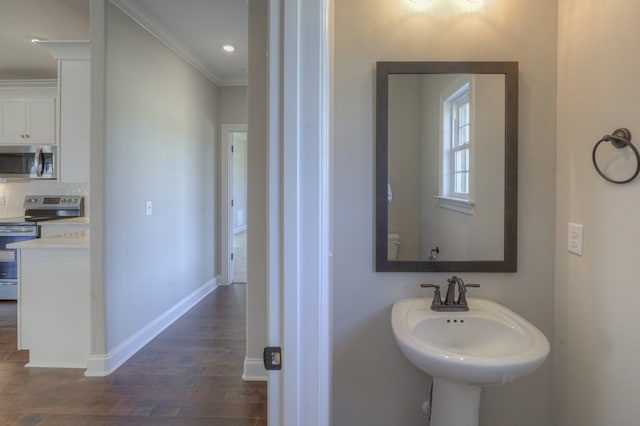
(72, 240)
(82, 220)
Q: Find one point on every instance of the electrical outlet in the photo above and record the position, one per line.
(2, 200)
(576, 234)
(149, 207)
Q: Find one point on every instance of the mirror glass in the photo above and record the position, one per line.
(446, 166)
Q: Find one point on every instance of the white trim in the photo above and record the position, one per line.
(226, 193)
(149, 23)
(456, 204)
(275, 384)
(28, 83)
(67, 49)
(254, 370)
(45, 364)
(305, 215)
(103, 365)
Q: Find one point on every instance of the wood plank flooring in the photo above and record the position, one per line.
(188, 375)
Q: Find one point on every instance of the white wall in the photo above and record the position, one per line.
(596, 315)
(160, 131)
(232, 102)
(373, 384)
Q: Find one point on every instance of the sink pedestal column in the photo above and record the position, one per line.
(454, 404)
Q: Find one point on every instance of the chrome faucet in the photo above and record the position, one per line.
(450, 303)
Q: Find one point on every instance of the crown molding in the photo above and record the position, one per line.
(67, 49)
(149, 23)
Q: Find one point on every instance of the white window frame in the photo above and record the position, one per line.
(459, 93)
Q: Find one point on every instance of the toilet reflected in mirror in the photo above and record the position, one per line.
(393, 245)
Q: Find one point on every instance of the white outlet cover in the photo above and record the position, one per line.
(575, 238)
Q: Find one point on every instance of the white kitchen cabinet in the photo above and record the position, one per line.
(74, 87)
(28, 120)
(54, 318)
(75, 106)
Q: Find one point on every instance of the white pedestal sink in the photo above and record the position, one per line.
(487, 345)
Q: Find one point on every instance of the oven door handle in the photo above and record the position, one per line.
(38, 163)
(13, 231)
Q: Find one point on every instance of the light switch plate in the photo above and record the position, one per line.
(149, 207)
(576, 237)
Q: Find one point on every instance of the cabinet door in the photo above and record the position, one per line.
(12, 120)
(40, 120)
(75, 107)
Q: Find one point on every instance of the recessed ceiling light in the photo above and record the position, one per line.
(229, 48)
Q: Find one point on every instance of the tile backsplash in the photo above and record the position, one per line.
(14, 193)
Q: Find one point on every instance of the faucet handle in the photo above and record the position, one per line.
(437, 299)
(436, 286)
(463, 288)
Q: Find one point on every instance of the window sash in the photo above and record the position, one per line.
(460, 146)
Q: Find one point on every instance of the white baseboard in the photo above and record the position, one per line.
(54, 364)
(103, 365)
(254, 370)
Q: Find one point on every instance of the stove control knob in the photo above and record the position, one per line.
(33, 200)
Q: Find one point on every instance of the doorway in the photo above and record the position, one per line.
(233, 195)
(239, 206)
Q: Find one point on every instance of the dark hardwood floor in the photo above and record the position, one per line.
(188, 375)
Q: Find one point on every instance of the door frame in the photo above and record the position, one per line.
(226, 195)
(299, 219)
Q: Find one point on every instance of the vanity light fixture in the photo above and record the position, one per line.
(423, 2)
(229, 48)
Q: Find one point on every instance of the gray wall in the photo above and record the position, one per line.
(160, 133)
(232, 109)
(373, 384)
(257, 193)
(405, 136)
(596, 318)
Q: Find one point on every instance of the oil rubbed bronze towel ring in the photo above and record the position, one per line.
(620, 138)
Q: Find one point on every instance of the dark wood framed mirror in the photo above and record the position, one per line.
(446, 166)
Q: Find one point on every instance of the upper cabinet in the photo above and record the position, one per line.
(28, 120)
(75, 106)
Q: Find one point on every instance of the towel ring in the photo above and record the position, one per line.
(619, 139)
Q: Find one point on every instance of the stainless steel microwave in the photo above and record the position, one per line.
(28, 161)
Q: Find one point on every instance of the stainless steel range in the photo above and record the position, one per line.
(38, 208)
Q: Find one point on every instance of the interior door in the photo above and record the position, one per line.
(226, 197)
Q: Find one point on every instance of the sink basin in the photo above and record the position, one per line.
(488, 345)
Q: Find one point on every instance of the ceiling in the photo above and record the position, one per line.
(194, 29)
